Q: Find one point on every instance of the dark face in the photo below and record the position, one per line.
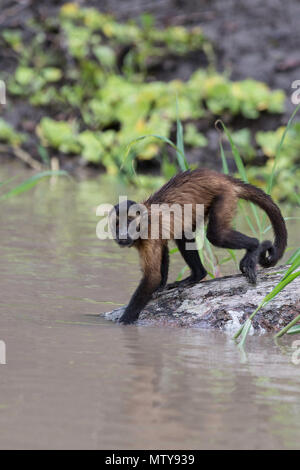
(124, 225)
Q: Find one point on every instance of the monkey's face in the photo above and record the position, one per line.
(125, 221)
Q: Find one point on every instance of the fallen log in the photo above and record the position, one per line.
(223, 303)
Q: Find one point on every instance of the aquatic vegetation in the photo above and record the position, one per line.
(93, 78)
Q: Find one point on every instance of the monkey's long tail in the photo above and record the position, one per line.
(269, 253)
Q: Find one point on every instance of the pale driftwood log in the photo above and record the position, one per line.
(224, 304)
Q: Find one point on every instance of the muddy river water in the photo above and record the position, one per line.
(74, 380)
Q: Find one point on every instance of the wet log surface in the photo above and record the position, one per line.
(223, 303)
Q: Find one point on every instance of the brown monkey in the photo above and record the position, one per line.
(219, 194)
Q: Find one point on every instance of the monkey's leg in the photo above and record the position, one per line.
(164, 269)
(220, 233)
(192, 259)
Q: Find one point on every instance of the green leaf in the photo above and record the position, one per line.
(92, 148)
(9, 135)
(294, 330)
(25, 75)
(289, 327)
(193, 137)
(52, 74)
(59, 134)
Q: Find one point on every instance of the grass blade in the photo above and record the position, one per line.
(31, 182)
(245, 332)
(223, 157)
(294, 330)
(278, 150)
(288, 327)
(159, 137)
(275, 291)
(295, 265)
(183, 164)
(237, 158)
(294, 256)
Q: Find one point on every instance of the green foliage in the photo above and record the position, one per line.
(60, 135)
(13, 38)
(248, 97)
(98, 71)
(285, 170)
(194, 138)
(8, 135)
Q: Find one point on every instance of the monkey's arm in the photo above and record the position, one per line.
(152, 254)
(139, 300)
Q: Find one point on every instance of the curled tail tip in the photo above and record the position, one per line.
(269, 254)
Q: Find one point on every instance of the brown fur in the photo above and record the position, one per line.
(201, 186)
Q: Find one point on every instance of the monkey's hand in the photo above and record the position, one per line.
(126, 319)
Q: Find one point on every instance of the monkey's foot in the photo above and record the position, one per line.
(248, 267)
(188, 281)
(160, 289)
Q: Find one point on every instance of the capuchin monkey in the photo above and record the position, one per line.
(219, 194)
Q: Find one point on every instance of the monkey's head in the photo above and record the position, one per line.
(125, 222)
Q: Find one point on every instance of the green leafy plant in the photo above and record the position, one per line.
(97, 75)
(60, 135)
(8, 135)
